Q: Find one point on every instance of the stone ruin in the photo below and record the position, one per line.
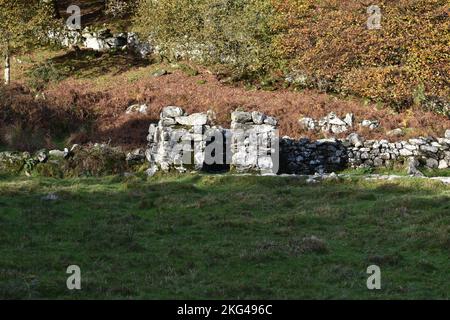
(102, 40)
(181, 142)
(185, 142)
(255, 142)
(331, 123)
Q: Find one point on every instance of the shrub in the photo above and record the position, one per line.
(325, 44)
(21, 137)
(95, 161)
(233, 32)
(328, 41)
(30, 123)
(119, 8)
(43, 74)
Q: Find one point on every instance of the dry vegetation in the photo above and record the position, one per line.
(63, 97)
(90, 105)
(325, 43)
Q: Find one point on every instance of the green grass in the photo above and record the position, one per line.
(223, 237)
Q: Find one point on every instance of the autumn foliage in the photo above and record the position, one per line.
(402, 63)
(324, 43)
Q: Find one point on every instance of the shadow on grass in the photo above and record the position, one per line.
(87, 63)
(186, 236)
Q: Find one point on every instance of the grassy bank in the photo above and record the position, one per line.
(223, 237)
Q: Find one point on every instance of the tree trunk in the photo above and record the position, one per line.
(7, 69)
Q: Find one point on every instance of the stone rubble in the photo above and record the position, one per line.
(102, 40)
(335, 125)
(137, 108)
(176, 141)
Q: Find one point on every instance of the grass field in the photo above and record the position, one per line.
(216, 237)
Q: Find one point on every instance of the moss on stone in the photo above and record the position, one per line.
(12, 162)
(50, 169)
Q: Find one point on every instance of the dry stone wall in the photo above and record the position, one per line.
(182, 142)
(189, 142)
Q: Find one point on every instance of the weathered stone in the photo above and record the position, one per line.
(137, 108)
(447, 134)
(270, 121)
(428, 148)
(241, 117)
(258, 117)
(364, 156)
(405, 153)
(417, 142)
(349, 119)
(136, 156)
(308, 123)
(196, 119)
(413, 165)
(338, 129)
(395, 133)
(432, 163)
(385, 156)
(167, 122)
(333, 119)
(371, 124)
(443, 164)
(152, 170)
(409, 147)
(378, 162)
(355, 140)
(172, 112)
